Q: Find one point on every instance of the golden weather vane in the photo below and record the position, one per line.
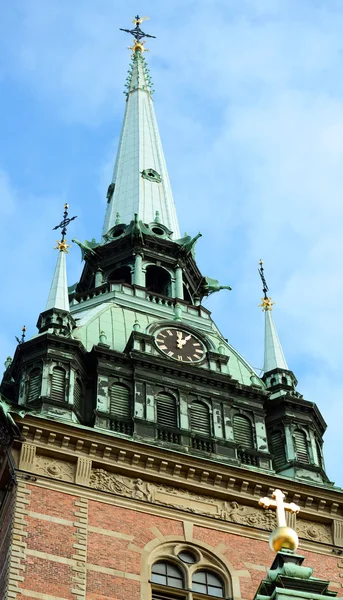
(138, 34)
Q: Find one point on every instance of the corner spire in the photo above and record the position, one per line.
(273, 354)
(58, 295)
(140, 183)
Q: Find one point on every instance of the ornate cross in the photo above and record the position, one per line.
(137, 33)
(266, 302)
(62, 246)
(280, 506)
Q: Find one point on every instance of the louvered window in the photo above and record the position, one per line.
(166, 410)
(278, 449)
(58, 384)
(242, 431)
(120, 401)
(301, 447)
(200, 418)
(77, 394)
(35, 381)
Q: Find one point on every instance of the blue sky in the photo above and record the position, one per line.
(249, 101)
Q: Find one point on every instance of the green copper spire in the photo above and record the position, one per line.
(58, 295)
(273, 354)
(140, 183)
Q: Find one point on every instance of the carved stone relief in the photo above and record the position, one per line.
(204, 505)
(54, 468)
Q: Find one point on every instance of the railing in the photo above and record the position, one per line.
(203, 444)
(159, 299)
(248, 457)
(125, 427)
(169, 435)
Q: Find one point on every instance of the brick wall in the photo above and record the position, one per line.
(76, 548)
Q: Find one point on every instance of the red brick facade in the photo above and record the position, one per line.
(107, 546)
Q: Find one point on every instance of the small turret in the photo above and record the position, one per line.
(295, 427)
(56, 317)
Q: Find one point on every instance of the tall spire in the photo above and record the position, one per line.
(140, 183)
(58, 295)
(273, 354)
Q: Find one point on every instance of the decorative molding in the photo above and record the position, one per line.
(27, 457)
(52, 467)
(79, 586)
(173, 497)
(17, 553)
(83, 470)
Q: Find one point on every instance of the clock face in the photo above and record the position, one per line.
(180, 345)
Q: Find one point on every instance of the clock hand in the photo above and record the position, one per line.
(185, 340)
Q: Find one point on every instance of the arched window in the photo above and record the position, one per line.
(242, 431)
(166, 573)
(301, 451)
(166, 410)
(205, 582)
(200, 418)
(34, 387)
(190, 573)
(58, 384)
(157, 280)
(284, 380)
(120, 275)
(77, 394)
(120, 401)
(277, 446)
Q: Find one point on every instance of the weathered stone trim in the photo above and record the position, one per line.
(18, 549)
(39, 596)
(122, 536)
(83, 470)
(27, 457)
(43, 517)
(53, 557)
(115, 572)
(79, 578)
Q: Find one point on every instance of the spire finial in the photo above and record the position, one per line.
(283, 536)
(62, 245)
(22, 339)
(138, 34)
(267, 303)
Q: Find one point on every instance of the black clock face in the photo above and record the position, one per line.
(180, 345)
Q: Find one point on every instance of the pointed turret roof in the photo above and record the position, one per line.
(58, 295)
(140, 183)
(273, 354)
(274, 357)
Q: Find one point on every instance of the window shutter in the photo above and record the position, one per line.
(301, 447)
(166, 410)
(278, 449)
(77, 394)
(58, 384)
(35, 380)
(120, 401)
(242, 431)
(200, 418)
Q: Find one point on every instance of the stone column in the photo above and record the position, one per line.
(138, 278)
(178, 283)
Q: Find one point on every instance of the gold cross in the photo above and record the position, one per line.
(280, 506)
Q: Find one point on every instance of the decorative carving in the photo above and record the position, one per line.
(57, 469)
(200, 504)
(245, 515)
(311, 530)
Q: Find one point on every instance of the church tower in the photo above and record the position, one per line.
(136, 440)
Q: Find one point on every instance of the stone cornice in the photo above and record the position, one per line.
(159, 465)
